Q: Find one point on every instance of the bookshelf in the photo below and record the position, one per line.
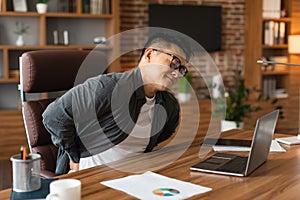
(266, 33)
(256, 48)
(276, 28)
(79, 18)
(274, 47)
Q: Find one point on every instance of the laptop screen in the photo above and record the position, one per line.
(261, 142)
(232, 164)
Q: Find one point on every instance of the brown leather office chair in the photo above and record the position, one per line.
(50, 71)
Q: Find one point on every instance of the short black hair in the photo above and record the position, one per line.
(169, 39)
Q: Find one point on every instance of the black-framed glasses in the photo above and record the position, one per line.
(175, 63)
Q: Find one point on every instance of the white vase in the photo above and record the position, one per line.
(41, 8)
(20, 40)
(228, 125)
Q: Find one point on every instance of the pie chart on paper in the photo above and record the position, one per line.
(166, 192)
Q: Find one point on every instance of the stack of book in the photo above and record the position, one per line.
(280, 93)
(274, 33)
(271, 8)
(269, 86)
(96, 6)
(67, 6)
(270, 90)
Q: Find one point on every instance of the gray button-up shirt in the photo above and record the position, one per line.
(93, 116)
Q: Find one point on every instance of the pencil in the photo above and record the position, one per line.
(23, 153)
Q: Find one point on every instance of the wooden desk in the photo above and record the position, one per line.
(278, 178)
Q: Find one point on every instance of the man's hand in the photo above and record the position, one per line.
(74, 166)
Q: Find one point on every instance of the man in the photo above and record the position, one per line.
(115, 115)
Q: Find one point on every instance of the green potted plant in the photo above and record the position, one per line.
(235, 104)
(184, 88)
(41, 7)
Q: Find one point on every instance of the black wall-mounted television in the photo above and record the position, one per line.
(202, 23)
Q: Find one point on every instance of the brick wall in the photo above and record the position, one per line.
(134, 14)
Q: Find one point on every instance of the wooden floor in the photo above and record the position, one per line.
(12, 133)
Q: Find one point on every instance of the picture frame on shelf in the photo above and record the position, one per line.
(19, 5)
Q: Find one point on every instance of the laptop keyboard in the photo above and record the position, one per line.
(236, 165)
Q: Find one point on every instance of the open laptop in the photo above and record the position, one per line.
(236, 165)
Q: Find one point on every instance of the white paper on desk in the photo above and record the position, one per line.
(142, 186)
(275, 147)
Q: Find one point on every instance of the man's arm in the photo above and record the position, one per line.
(74, 166)
(58, 120)
(172, 121)
(70, 117)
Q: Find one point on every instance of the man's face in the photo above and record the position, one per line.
(162, 70)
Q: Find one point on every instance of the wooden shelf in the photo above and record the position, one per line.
(75, 15)
(60, 15)
(82, 28)
(38, 47)
(275, 46)
(19, 14)
(275, 72)
(283, 19)
(9, 80)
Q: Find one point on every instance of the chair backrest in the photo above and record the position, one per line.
(45, 71)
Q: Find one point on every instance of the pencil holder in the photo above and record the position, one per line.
(26, 173)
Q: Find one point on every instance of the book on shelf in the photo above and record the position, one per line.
(86, 6)
(269, 33)
(100, 6)
(106, 7)
(1, 72)
(282, 33)
(270, 90)
(67, 6)
(94, 6)
(281, 95)
(269, 86)
(72, 6)
(274, 33)
(20, 5)
(271, 8)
